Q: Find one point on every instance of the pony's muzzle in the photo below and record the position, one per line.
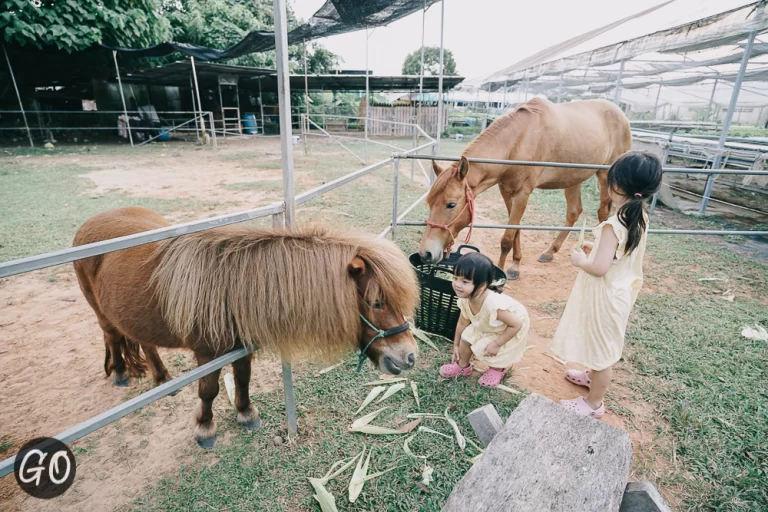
(397, 366)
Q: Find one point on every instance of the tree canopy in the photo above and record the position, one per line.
(412, 64)
(76, 25)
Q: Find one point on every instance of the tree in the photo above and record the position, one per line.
(412, 64)
(74, 25)
(222, 23)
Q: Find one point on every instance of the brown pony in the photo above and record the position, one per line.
(589, 132)
(295, 295)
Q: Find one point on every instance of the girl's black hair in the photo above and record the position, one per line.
(636, 175)
(478, 268)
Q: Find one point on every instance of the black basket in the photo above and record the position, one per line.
(438, 312)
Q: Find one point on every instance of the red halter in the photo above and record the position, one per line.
(469, 203)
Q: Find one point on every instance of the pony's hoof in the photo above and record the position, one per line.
(122, 383)
(546, 258)
(513, 275)
(249, 419)
(251, 425)
(206, 442)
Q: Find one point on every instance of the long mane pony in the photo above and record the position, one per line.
(287, 293)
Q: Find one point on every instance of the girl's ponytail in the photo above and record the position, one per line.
(632, 217)
(636, 175)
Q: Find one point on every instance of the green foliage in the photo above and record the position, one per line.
(222, 23)
(74, 25)
(412, 64)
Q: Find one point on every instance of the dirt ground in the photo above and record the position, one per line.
(51, 350)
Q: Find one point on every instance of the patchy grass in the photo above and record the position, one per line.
(252, 472)
(46, 205)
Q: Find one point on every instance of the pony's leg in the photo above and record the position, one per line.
(247, 415)
(516, 204)
(207, 389)
(574, 209)
(156, 366)
(114, 364)
(605, 197)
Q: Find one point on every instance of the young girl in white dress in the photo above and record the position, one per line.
(591, 332)
(492, 326)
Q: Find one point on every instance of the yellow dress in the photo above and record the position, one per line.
(591, 331)
(484, 328)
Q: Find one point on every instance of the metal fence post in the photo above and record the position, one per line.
(727, 122)
(664, 159)
(213, 132)
(278, 222)
(394, 197)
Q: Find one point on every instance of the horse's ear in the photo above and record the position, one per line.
(356, 267)
(461, 173)
(436, 168)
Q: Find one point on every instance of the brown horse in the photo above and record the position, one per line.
(589, 132)
(306, 294)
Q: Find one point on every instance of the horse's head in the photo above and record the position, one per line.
(450, 210)
(385, 337)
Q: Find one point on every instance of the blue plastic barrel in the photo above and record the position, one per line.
(249, 123)
(165, 135)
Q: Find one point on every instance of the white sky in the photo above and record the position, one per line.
(484, 35)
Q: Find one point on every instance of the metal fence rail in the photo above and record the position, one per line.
(50, 259)
(83, 429)
(398, 220)
(524, 227)
(528, 163)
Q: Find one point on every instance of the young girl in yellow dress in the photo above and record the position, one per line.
(492, 326)
(591, 332)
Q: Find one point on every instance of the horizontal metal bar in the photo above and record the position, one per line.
(83, 429)
(564, 228)
(322, 189)
(347, 137)
(404, 214)
(523, 163)
(50, 259)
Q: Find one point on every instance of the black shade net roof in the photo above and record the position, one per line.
(334, 17)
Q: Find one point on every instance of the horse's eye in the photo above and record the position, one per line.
(451, 205)
(378, 304)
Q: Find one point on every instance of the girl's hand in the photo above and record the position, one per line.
(578, 258)
(455, 356)
(587, 247)
(491, 349)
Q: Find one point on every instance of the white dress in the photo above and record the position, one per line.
(484, 328)
(591, 331)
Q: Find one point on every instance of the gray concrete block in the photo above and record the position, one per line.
(486, 422)
(547, 458)
(643, 497)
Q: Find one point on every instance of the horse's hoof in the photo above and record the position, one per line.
(546, 258)
(122, 383)
(206, 442)
(513, 275)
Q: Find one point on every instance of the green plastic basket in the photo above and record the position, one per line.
(438, 311)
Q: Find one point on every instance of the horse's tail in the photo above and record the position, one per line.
(133, 357)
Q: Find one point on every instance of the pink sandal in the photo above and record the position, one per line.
(578, 377)
(580, 406)
(492, 377)
(454, 370)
